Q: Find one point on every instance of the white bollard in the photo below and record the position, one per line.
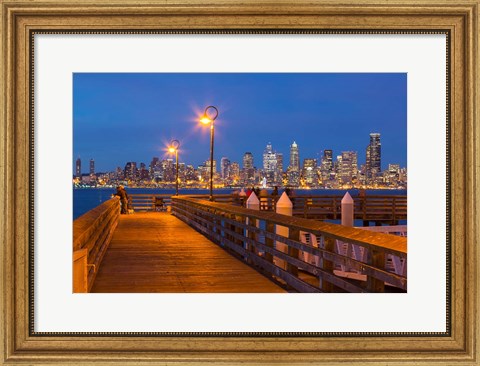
(347, 220)
(253, 203)
(347, 210)
(284, 207)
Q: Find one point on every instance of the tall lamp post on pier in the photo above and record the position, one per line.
(174, 145)
(210, 114)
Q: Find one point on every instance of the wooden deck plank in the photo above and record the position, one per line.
(156, 252)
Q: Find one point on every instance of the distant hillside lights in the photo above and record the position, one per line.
(327, 172)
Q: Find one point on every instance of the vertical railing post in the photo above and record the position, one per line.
(294, 234)
(284, 207)
(328, 266)
(269, 228)
(377, 260)
(347, 217)
(253, 203)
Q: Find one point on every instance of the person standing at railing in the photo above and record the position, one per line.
(122, 193)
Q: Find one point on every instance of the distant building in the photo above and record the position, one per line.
(190, 174)
(235, 173)
(373, 161)
(293, 171)
(270, 165)
(309, 172)
(294, 157)
(225, 168)
(207, 165)
(143, 172)
(130, 171)
(168, 170)
(348, 169)
(78, 168)
(92, 167)
(279, 170)
(248, 171)
(392, 174)
(153, 167)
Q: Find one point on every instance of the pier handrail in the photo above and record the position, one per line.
(92, 233)
(237, 229)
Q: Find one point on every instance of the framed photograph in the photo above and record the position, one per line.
(232, 178)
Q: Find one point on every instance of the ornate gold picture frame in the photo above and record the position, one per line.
(22, 345)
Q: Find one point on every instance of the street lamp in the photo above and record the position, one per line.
(174, 145)
(208, 119)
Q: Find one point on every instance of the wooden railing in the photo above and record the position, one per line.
(255, 237)
(370, 208)
(92, 233)
(160, 202)
(375, 208)
(149, 201)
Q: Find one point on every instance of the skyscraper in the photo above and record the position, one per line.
(153, 165)
(309, 172)
(225, 167)
(269, 164)
(78, 168)
(373, 158)
(293, 171)
(207, 165)
(143, 172)
(248, 169)
(326, 166)
(92, 167)
(130, 170)
(235, 172)
(348, 168)
(294, 157)
(279, 170)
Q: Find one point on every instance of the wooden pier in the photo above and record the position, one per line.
(156, 252)
(198, 246)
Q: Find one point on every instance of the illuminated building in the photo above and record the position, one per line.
(293, 171)
(348, 167)
(78, 168)
(235, 173)
(373, 161)
(225, 167)
(130, 171)
(92, 167)
(270, 165)
(248, 173)
(309, 172)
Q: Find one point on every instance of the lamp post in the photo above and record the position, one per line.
(174, 145)
(208, 119)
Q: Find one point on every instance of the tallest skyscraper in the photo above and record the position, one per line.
(374, 158)
(293, 172)
(294, 157)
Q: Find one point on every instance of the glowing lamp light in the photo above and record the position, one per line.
(205, 120)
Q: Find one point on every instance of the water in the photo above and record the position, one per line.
(85, 199)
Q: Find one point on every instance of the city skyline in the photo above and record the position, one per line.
(331, 171)
(133, 117)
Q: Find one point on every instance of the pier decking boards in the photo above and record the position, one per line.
(156, 252)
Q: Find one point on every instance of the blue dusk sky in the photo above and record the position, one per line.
(121, 117)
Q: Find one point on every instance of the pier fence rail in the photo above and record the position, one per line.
(388, 209)
(251, 236)
(92, 233)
